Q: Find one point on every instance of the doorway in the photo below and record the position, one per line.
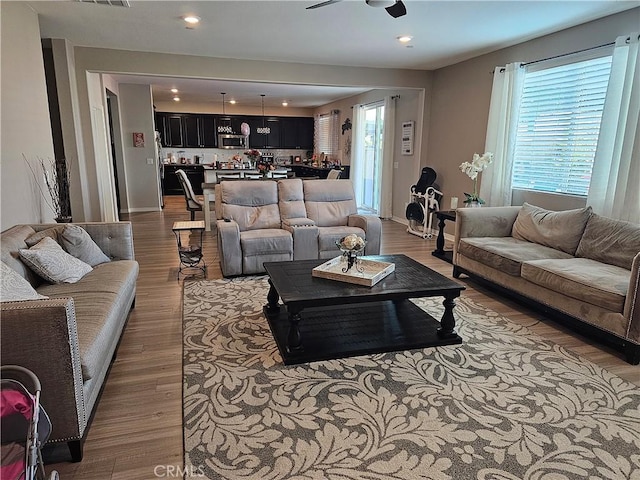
(112, 144)
(370, 158)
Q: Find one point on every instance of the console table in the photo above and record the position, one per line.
(440, 252)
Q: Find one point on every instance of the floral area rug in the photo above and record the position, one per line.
(504, 405)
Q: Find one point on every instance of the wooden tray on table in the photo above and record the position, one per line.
(372, 271)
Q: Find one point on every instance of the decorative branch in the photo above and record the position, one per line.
(57, 180)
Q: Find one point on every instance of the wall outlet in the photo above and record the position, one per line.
(149, 161)
(395, 165)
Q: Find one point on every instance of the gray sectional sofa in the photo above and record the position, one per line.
(576, 264)
(69, 339)
(291, 219)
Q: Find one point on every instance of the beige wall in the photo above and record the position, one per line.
(63, 58)
(136, 112)
(26, 128)
(461, 95)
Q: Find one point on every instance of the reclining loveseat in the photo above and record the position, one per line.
(291, 219)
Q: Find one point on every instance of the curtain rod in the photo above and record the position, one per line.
(570, 53)
(394, 97)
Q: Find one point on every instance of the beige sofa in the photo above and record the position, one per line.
(69, 339)
(576, 265)
(289, 219)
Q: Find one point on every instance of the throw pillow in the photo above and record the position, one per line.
(560, 230)
(52, 263)
(15, 288)
(610, 241)
(53, 232)
(79, 243)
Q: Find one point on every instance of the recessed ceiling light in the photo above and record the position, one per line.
(232, 102)
(404, 38)
(176, 99)
(174, 90)
(191, 19)
(284, 104)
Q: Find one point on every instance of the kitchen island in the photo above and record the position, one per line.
(202, 173)
(305, 171)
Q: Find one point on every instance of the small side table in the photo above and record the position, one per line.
(189, 238)
(440, 252)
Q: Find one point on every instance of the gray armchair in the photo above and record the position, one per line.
(249, 232)
(332, 207)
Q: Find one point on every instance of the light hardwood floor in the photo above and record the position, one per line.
(137, 428)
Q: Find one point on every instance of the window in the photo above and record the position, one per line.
(558, 126)
(327, 134)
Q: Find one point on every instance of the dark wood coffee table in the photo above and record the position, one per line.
(324, 319)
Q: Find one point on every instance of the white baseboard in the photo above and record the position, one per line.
(404, 221)
(141, 209)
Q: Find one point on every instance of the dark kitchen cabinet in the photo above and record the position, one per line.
(265, 132)
(161, 127)
(199, 131)
(208, 136)
(173, 128)
(187, 130)
(306, 128)
(297, 132)
(170, 128)
(191, 130)
(171, 184)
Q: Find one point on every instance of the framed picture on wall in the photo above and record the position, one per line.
(138, 139)
(407, 138)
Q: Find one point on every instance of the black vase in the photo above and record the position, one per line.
(63, 219)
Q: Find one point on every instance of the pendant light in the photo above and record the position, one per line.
(264, 130)
(225, 123)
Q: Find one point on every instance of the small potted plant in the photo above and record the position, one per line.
(472, 169)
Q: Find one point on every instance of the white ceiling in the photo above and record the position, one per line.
(346, 33)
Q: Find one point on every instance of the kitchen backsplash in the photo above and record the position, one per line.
(210, 155)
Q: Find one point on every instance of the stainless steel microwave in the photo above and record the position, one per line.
(231, 141)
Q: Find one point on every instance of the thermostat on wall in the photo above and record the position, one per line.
(407, 138)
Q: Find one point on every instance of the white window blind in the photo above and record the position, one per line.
(558, 126)
(327, 134)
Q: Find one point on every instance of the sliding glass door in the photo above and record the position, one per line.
(368, 189)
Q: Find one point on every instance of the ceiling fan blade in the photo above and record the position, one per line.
(322, 4)
(397, 9)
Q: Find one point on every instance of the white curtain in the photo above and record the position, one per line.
(357, 151)
(386, 171)
(614, 190)
(495, 182)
